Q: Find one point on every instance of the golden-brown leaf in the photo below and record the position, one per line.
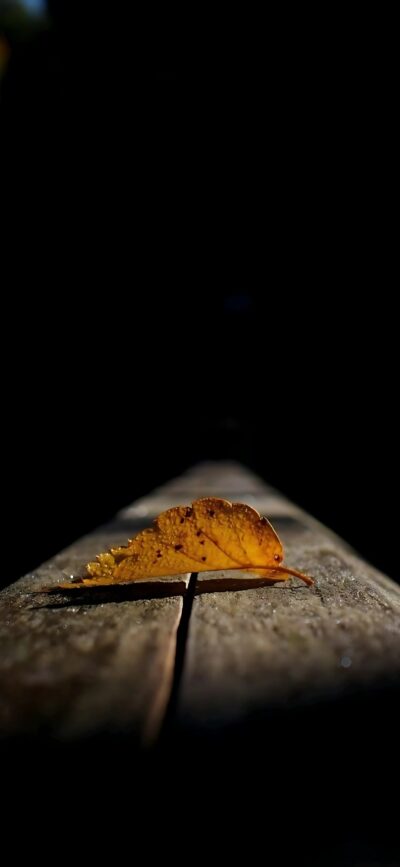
(211, 534)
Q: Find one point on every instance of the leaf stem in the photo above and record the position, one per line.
(285, 569)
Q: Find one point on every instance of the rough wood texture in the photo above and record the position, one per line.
(275, 740)
(265, 647)
(105, 664)
(74, 667)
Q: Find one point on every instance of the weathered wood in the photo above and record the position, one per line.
(74, 667)
(252, 651)
(80, 666)
(220, 582)
(276, 740)
(219, 478)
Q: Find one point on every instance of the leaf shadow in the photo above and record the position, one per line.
(82, 597)
(100, 596)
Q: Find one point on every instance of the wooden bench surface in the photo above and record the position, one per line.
(111, 663)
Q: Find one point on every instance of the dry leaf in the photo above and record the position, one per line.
(211, 534)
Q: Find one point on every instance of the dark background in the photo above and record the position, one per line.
(198, 262)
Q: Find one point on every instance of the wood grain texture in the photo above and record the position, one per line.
(79, 666)
(218, 478)
(269, 647)
(73, 667)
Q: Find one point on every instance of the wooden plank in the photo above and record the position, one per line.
(76, 667)
(271, 647)
(312, 771)
(98, 663)
(288, 709)
(217, 478)
(73, 667)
